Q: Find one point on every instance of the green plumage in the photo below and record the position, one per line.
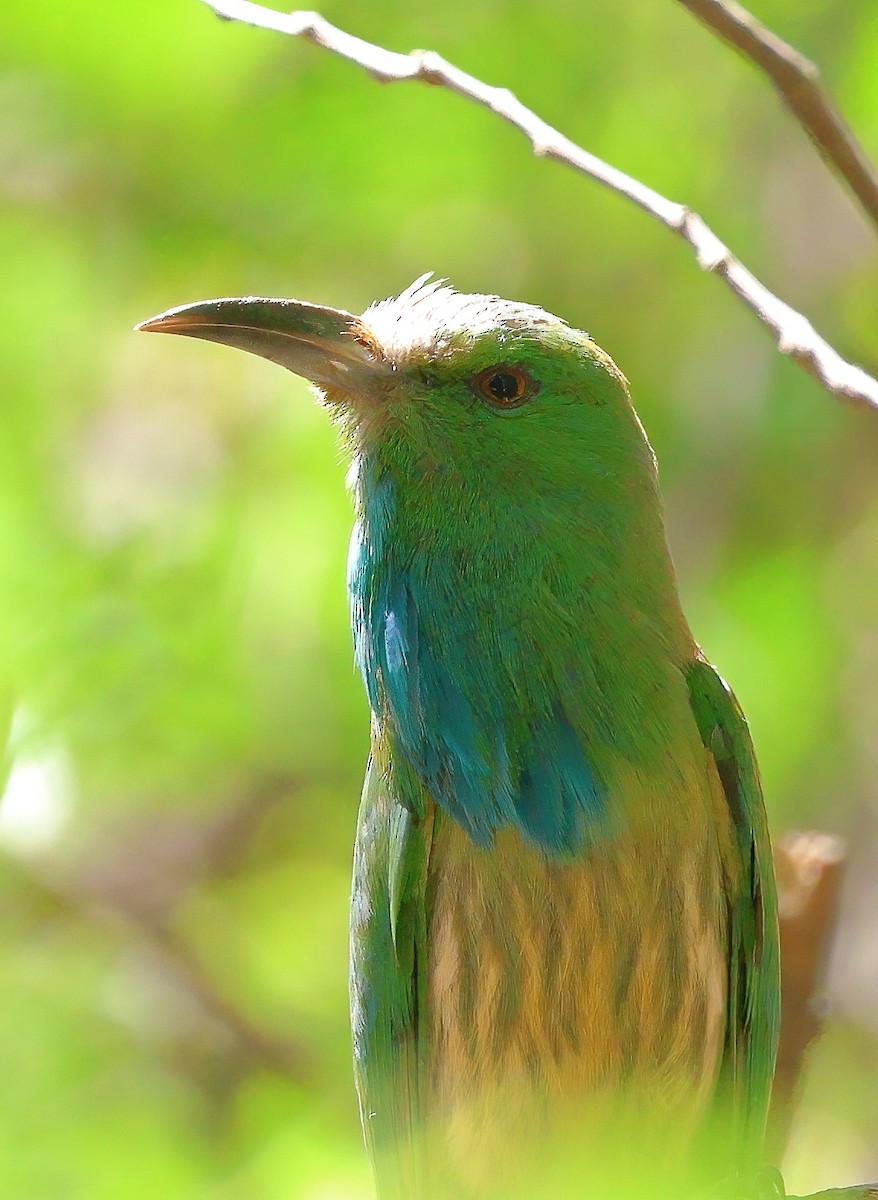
(754, 964)
(563, 913)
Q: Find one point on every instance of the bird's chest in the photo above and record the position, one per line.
(554, 982)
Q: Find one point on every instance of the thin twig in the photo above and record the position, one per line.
(797, 81)
(794, 334)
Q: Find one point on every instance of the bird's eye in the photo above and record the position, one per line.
(505, 386)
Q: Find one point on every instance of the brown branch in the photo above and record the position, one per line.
(142, 877)
(793, 333)
(863, 1191)
(139, 880)
(810, 870)
(259, 1045)
(796, 79)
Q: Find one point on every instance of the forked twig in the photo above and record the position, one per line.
(797, 81)
(793, 333)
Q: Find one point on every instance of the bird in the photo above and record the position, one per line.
(563, 932)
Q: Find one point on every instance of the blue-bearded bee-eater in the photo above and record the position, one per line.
(564, 915)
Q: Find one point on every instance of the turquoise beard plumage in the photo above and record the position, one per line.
(453, 722)
(563, 918)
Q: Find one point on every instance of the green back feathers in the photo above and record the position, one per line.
(754, 966)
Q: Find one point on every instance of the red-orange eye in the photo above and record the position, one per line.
(505, 387)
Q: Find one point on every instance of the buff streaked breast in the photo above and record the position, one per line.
(559, 985)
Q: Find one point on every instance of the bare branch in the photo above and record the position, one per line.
(796, 80)
(863, 1191)
(259, 1045)
(810, 872)
(793, 333)
(139, 879)
(142, 877)
(71, 896)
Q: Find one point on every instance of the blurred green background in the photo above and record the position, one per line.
(189, 735)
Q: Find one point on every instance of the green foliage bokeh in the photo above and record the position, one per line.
(189, 734)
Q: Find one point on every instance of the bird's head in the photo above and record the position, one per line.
(472, 394)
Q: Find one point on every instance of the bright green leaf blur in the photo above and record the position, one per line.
(189, 735)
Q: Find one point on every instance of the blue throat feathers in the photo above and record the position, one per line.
(451, 721)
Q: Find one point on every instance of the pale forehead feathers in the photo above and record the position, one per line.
(430, 319)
